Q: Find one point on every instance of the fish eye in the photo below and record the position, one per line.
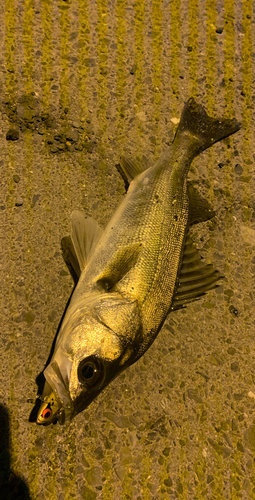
(90, 371)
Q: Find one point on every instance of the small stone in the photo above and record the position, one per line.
(238, 396)
(238, 169)
(240, 446)
(88, 145)
(219, 30)
(34, 200)
(88, 494)
(233, 310)
(247, 234)
(72, 136)
(141, 116)
(60, 138)
(99, 453)
(52, 315)
(193, 394)
(12, 134)
(16, 178)
(168, 482)
(231, 351)
(175, 120)
(235, 367)
(19, 202)
(166, 452)
(39, 442)
(209, 479)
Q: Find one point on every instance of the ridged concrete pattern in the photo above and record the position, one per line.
(83, 82)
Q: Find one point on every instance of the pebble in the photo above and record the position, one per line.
(34, 200)
(72, 136)
(175, 121)
(238, 169)
(247, 234)
(19, 202)
(141, 116)
(12, 135)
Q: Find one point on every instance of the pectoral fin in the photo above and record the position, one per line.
(195, 277)
(123, 260)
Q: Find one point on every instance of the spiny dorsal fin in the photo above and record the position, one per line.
(132, 168)
(124, 259)
(85, 234)
(200, 209)
(195, 277)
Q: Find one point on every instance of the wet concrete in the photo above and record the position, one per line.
(83, 82)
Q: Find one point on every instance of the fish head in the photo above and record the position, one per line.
(91, 351)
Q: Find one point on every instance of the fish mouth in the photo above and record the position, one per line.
(50, 408)
(59, 385)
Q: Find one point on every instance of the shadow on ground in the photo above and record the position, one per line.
(12, 487)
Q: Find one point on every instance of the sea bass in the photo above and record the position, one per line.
(131, 275)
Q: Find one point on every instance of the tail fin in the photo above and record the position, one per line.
(207, 130)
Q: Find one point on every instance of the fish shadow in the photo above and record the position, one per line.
(40, 379)
(12, 487)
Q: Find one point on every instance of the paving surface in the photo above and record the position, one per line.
(83, 82)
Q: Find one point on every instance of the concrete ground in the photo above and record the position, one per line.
(83, 82)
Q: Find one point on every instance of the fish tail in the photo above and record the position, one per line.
(207, 130)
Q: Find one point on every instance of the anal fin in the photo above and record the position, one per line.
(195, 277)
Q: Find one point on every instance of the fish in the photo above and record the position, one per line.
(130, 276)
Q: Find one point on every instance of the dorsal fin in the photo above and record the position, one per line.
(200, 209)
(123, 260)
(129, 169)
(195, 277)
(85, 234)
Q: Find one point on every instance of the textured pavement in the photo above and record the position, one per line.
(83, 82)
